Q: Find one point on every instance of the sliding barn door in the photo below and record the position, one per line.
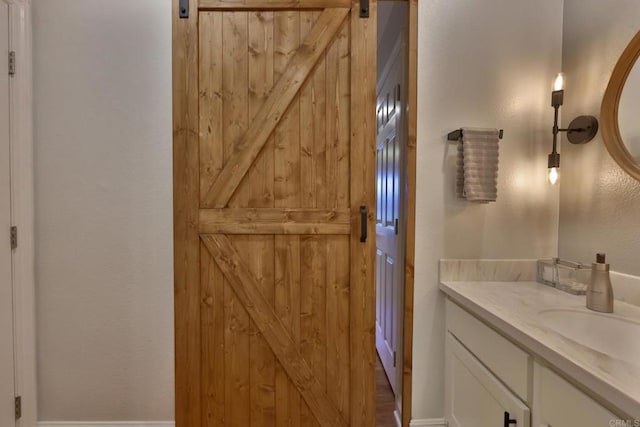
(274, 180)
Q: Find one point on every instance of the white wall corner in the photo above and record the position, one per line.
(433, 422)
(22, 208)
(106, 424)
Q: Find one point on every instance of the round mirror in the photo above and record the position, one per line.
(620, 115)
(629, 113)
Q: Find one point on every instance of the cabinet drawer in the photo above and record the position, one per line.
(560, 404)
(507, 361)
(474, 396)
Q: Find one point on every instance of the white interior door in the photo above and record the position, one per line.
(389, 220)
(6, 288)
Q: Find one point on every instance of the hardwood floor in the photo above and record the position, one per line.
(385, 400)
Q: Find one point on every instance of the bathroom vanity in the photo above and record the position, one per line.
(519, 353)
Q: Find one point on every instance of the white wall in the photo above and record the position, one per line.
(599, 202)
(485, 63)
(104, 209)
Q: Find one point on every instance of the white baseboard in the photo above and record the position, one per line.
(106, 424)
(435, 422)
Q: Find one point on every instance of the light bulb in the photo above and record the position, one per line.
(553, 175)
(559, 82)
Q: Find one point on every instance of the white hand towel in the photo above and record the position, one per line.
(478, 154)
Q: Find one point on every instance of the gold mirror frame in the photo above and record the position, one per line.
(610, 105)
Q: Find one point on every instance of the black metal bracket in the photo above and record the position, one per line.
(183, 8)
(456, 135)
(364, 8)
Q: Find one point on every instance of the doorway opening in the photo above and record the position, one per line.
(395, 217)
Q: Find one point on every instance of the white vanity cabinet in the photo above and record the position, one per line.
(474, 396)
(488, 376)
(558, 403)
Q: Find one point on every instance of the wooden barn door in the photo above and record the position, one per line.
(274, 177)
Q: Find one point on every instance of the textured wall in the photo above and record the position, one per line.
(104, 209)
(599, 203)
(485, 63)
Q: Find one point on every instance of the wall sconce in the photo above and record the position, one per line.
(580, 131)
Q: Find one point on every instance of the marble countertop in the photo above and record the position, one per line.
(514, 308)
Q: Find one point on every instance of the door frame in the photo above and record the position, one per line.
(410, 209)
(185, 118)
(22, 208)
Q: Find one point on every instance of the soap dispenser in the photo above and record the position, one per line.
(599, 291)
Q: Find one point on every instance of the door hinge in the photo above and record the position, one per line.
(18, 407)
(396, 227)
(183, 8)
(12, 63)
(364, 8)
(14, 237)
(394, 359)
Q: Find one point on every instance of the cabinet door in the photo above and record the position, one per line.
(474, 396)
(559, 404)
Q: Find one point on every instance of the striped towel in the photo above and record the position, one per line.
(477, 176)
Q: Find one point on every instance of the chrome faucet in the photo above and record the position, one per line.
(599, 291)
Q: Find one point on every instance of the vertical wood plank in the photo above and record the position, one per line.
(313, 128)
(287, 194)
(185, 212)
(261, 358)
(337, 288)
(258, 191)
(212, 318)
(236, 360)
(338, 120)
(235, 122)
(313, 311)
(259, 182)
(287, 133)
(338, 127)
(311, 131)
(412, 123)
(257, 188)
(210, 76)
(287, 306)
(363, 150)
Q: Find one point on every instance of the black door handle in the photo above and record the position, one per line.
(363, 224)
(508, 421)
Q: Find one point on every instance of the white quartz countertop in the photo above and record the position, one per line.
(517, 310)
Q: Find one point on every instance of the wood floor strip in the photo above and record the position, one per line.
(247, 291)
